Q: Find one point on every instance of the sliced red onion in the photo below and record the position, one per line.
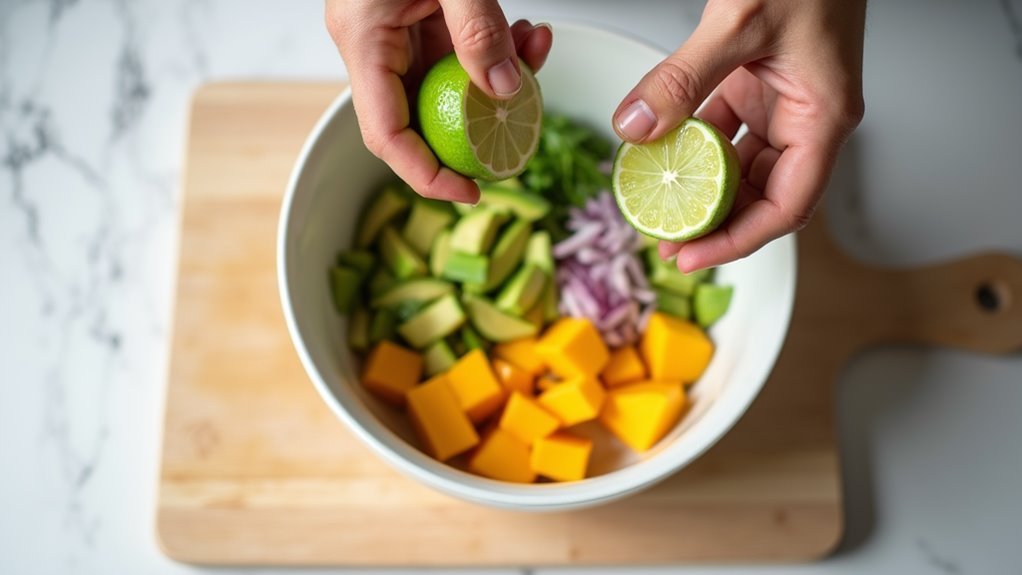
(577, 241)
(644, 295)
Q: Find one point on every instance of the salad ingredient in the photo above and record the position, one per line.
(345, 283)
(427, 220)
(561, 456)
(566, 168)
(502, 456)
(390, 371)
(506, 255)
(476, 387)
(514, 378)
(680, 186)
(437, 320)
(474, 134)
(399, 256)
(571, 347)
(640, 414)
(675, 349)
(361, 260)
(387, 205)
(383, 326)
(442, 427)
(475, 231)
(521, 353)
(525, 419)
(494, 324)
(358, 330)
(624, 366)
(574, 400)
(467, 268)
(673, 304)
(710, 302)
(438, 358)
(522, 290)
(510, 196)
(440, 252)
(422, 290)
(380, 281)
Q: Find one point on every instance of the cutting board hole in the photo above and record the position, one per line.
(993, 296)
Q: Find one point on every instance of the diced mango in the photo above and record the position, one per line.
(436, 415)
(526, 419)
(561, 456)
(640, 414)
(390, 371)
(573, 346)
(513, 378)
(624, 366)
(575, 400)
(475, 386)
(521, 352)
(547, 382)
(675, 349)
(502, 456)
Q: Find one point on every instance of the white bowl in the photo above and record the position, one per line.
(587, 73)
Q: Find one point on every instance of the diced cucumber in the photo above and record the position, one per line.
(539, 251)
(345, 283)
(382, 326)
(358, 330)
(710, 302)
(435, 321)
(472, 339)
(438, 358)
(474, 233)
(361, 260)
(467, 268)
(673, 304)
(507, 253)
(522, 290)
(400, 257)
(381, 281)
(494, 324)
(428, 218)
(422, 290)
(390, 203)
(524, 204)
(439, 252)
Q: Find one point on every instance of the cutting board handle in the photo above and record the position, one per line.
(973, 304)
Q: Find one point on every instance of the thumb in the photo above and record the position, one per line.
(672, 90)
(482, 39)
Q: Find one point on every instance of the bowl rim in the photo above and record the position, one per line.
(450, 480)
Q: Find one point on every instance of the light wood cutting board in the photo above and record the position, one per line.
(256, 470)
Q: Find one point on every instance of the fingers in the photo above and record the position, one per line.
(532, 43)
(719, 113)
(482, 40)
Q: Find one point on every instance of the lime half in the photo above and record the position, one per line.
(679, 187)
(474, 134)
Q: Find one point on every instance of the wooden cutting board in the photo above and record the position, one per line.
(256, 470)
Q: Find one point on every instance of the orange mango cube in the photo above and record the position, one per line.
(561, 456)
(640, 414)
(675, 349)
(390, 371)
(575, 400)
(436, 415)
(573, 346)
(624, 366)
(475, 386)
(513, 378)
(502, 456)
(547, 382)
(522, 353)
(526, 419)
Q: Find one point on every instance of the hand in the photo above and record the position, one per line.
(791, 71)
(388, 45)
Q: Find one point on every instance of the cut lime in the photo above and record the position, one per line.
(474, 134)
(679, 187)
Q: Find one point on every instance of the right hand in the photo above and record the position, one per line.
(388, 45)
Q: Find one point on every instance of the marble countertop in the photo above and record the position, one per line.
(93, 101)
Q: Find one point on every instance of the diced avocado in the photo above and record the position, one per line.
(539, 252)
(390, 203)
(474, 233)
(408, 309)
(382, 326)
(507, 254)
(438, 253)
(522, 290)
(400, 257)
(536, 315)
(345, 283)
(422, 290)
(467, 268)
(673, 304)
(438, 358)
(494, 324)
(551, 301)
(710, 302)
(361, 260)
(358, 330)
(666, 275)
(381, 281)
(428, 218)
(435, 321)
(524, 204)
(472, 340)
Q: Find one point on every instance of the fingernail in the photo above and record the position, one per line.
(544, 25)
(504, 79)
(636, 121)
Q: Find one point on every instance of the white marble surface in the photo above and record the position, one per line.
(93, 98)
